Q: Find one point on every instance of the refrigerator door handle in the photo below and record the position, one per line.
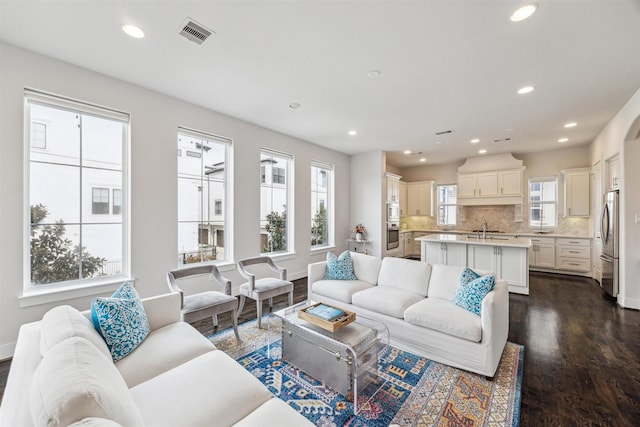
(604, 224)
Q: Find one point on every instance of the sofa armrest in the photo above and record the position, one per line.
(494, 314)
(315, 272)
(162, 309)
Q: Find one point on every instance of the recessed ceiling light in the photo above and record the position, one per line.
(509, 130)
(475, 140)
(422, 159)
(570, 125)
(133, 31)
(295, 105)
(373, 74)
(353, 132)
(407, 151)
(438, 142)
(525, 89)
(483, 151)
(563, 139)
(524, 12)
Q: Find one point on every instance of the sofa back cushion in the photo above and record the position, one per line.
(405, 274)
(366, 267)
(64, 322)
(75, 380)
(445, 279)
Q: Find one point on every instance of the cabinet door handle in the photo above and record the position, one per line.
(501, 190)
(569, 211)
(479, 191)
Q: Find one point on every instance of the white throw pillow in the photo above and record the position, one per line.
(75, 381)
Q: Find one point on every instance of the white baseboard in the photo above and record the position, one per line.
(6, 351)
(629, 302)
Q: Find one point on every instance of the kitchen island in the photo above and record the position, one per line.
(507, 257)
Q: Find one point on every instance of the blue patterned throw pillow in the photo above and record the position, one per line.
(340, 268)
(471, 290)
(121, 320)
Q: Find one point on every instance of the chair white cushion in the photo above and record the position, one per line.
(366, 267)
(64, 322)
(341, 290)
(75, 380)
(204, 300)
(266, 285)
(446, 317)
(406, 274)
(212, 389)
(163, 349)
(386, 300)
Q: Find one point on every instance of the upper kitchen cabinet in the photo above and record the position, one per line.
(576, 191)
(491, 180)
(613, 173)
(420, 198)
(393, 188)
(403, 198)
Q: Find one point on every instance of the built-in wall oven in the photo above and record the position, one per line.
(393, 212)
(393, 235)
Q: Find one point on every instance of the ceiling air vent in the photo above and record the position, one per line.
(195, 32)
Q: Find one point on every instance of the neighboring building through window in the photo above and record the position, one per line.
(117, 202)
(447, 204)
(203, 180)
(321, 204)
(73, 162)
(275, 194)
(543, 202)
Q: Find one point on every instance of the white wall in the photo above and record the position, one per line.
(154, 122)
(366, 203)
(620, 136)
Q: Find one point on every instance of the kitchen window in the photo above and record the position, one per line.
(275, 195)
(543, 202)
(447, 204)
(203, 186)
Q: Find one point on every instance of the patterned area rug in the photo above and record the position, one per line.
(411, 390)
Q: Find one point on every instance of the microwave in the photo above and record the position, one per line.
(393, 212)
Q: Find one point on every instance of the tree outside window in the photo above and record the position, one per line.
(320, 203)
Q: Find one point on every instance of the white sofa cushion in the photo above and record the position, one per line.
(64, 322)
(212, 389)
(446, 317)
(341, 290)
(386, 300)
(274, 412)
(74, 381)
(445, 279)
(95, 422)
(163, 349)
(406, 274)
(366, 267)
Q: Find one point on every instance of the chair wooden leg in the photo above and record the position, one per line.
(234, 319)
(290, 298)
(259, 311)
(241, 306)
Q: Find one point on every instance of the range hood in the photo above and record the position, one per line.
(491, 180)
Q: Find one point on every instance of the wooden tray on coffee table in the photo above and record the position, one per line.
(329, 325)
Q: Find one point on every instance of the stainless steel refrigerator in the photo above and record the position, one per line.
(610, 242)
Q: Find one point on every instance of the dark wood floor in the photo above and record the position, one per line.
(582, 352)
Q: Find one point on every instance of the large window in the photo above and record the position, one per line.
(73, 164)
(203, 176)
(447, 204)
(275, 206)
(321, 203)
(543, 201)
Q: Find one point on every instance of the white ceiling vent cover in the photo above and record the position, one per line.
(195, 32)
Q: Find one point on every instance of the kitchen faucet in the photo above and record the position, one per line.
(485, 227)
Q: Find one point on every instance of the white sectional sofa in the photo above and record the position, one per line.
(413, 299)
(62, 374)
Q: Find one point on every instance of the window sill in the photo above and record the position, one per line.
(55, 294)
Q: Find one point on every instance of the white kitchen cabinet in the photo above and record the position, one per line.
(542, 253)
(467, 185)
(508, 263)
(613, 172)
(403, 198)
(393, 188)
(415, 244)
(420, 198)
(444, 253)
(510, 182)
(491, 184)
(573, 254)
(407, 243)
(576, 192)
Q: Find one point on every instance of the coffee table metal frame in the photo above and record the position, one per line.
(345, 360)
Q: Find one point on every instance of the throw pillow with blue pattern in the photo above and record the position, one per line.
(121, 320)
(471, 290)
(340, 268)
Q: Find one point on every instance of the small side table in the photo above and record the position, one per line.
(362, 246)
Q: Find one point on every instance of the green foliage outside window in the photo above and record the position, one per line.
(319, 227)
(276, 228)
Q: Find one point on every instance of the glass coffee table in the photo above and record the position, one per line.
(345, 360)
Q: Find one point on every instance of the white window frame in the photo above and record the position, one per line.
(288, 185)
(554, 180)
(454, 204)
(59, 291)
(227, 214)
(329, 173)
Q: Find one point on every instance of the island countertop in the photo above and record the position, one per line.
(493, 240)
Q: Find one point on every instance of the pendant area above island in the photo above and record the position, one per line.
(506, 257)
